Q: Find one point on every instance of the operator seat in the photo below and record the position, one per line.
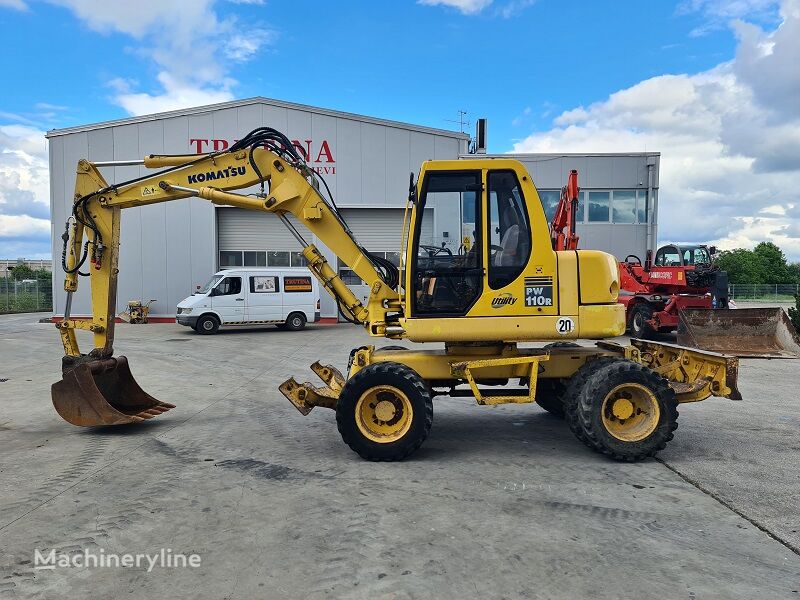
(509, 253)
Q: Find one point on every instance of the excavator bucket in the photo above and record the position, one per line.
(746, 332)
(103, 392)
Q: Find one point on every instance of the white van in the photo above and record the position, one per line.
(285, 297)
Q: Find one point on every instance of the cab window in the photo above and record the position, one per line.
(668, 256)
(229, 286)
(446, 271)
(696, 256)
(509, 232)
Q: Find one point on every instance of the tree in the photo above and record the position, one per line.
(21, 272)
(772, 263)
(741, 266)
(794, 313)
(794, 272)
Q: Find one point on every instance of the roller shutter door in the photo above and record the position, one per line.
(379, 229)
(239, 229)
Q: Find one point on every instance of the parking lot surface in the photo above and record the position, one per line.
(500, 502)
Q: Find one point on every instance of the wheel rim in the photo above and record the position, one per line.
(208, 325)
(384, 414)
(638, 321)
(297, 322)
(630, 412)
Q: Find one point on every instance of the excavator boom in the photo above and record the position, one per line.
(98, 389)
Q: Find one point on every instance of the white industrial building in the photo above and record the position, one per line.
(169, 249)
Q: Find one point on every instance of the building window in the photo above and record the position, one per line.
(624, 206)
(347, 275)
(550, 199)
(229, 259)
(278, 259)
(297, 259)
(644, 206)
(393, 257)
(255, 259)
(599, 207)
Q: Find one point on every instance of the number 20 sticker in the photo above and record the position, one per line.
(565, 325)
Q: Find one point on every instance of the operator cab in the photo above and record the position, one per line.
(682, 256)
(460, 250)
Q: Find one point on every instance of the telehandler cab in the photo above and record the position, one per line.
(503, 285)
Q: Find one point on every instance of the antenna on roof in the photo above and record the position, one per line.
(462, 122)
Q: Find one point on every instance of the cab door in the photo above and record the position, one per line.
(447, 270)
(228, 299)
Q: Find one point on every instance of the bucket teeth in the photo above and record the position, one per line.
(102, 392)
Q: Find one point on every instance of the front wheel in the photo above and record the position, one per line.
(384, 412)
(625, 411)
(207, 325)
(638, 322)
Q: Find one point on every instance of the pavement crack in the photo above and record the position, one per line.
(787, 544)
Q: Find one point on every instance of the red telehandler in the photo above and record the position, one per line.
(683, 290)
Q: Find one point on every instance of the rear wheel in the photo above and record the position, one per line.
(384, 412)
(637, 324)
(207, 325)
(295, 321)
(626, 411)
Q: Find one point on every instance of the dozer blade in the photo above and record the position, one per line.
(103, 392)
(745, 332)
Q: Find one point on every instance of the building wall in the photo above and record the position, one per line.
(168, 249)
(33, 263)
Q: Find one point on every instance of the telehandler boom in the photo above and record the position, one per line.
(504, 285)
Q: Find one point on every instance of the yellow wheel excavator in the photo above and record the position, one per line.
(502, 286)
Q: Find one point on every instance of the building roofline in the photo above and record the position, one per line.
(249, 101)
(541, 156)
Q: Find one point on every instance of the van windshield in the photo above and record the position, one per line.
(207, 287)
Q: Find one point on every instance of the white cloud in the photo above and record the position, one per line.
(190, 43)
(24, 193)
(174, 95)
(718, 14)
(468, 7)
(729, 138)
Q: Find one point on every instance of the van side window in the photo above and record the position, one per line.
(229, 286)
(261, 284)
(297, 284)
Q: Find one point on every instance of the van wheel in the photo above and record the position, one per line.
(295, 322)
(207, 325)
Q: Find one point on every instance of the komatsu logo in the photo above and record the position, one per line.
(219, 174)
(503, 300)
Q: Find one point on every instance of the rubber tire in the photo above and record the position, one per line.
(589, 406)
(295, 322)
(213, 327)
(575, 384)
(644, 312)
(550, 396)
(401, 377)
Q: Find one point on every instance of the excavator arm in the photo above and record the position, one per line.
(562, 227)
(286, 186)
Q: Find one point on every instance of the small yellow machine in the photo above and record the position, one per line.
(503, 284)
(137, 312)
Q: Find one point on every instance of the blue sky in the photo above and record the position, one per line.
(686, 78)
